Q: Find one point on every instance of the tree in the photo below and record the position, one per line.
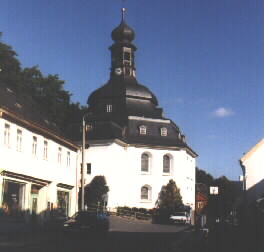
(170, 198)
(9, 66)
(46, 91)
(95, 193)
(204, 177)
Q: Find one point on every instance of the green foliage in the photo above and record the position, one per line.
(9, 65)
(204, 177)
(95, 193)
(222, 204)
(170, 197)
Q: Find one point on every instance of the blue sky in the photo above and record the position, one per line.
(202, 58)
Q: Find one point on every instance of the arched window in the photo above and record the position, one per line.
(166, 164)
(145, 192)
(145, 162)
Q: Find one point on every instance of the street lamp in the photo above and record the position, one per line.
(84, 129)
(83, 160)
(214, 192)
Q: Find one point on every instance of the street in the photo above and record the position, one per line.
(124, 235)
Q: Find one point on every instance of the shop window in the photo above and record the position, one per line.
(63, 203)
(13, 197)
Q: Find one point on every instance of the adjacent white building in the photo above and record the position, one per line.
(252, 164)
(37, 165)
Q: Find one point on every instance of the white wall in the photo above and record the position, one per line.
(24, 162)
(254, 170)
(122, 168)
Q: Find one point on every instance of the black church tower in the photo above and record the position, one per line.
(125, 110)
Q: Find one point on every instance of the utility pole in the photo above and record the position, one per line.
(83, 161)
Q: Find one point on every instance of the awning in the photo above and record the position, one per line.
(27, 178)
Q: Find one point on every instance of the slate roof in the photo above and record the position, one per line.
(132, 104)
(24, 110)
(25, 107)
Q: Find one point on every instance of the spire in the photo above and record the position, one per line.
(123, 49)
(123, 33)
(123, 10)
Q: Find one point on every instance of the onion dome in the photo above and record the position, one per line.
(123, 33)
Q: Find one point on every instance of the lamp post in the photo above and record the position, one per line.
(214, 192)
(83, 160)
(85, 128)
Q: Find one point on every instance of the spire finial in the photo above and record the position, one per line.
(123, 13)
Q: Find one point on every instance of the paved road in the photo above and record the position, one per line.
(130, 225)
(125, 235)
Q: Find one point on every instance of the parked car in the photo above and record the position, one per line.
(180, 217)
(55, 221)
(87, 223)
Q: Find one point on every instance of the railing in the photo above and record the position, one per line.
(133, 214)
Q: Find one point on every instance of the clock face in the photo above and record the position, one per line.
(118, 71)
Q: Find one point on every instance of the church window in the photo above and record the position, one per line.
(88, 168)
(145, 162)
(145, 193)
(142, 130)
(109, 108)
(166, 164)
(163, 131)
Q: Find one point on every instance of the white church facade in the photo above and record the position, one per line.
(131, 143)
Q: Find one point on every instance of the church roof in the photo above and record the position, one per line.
(120, 107)
(125, 87)
(123, 33)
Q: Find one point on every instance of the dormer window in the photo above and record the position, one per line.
(109, 108)
(163, 131)
(142, 130)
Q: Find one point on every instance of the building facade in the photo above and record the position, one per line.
(37, 165)
(131, 143)
(252, 164)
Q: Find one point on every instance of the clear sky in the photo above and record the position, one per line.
(203, 59)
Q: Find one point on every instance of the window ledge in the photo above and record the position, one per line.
(145, 173)
(146, 201)
(166, 174)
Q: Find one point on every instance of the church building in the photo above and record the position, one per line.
(131, 143)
